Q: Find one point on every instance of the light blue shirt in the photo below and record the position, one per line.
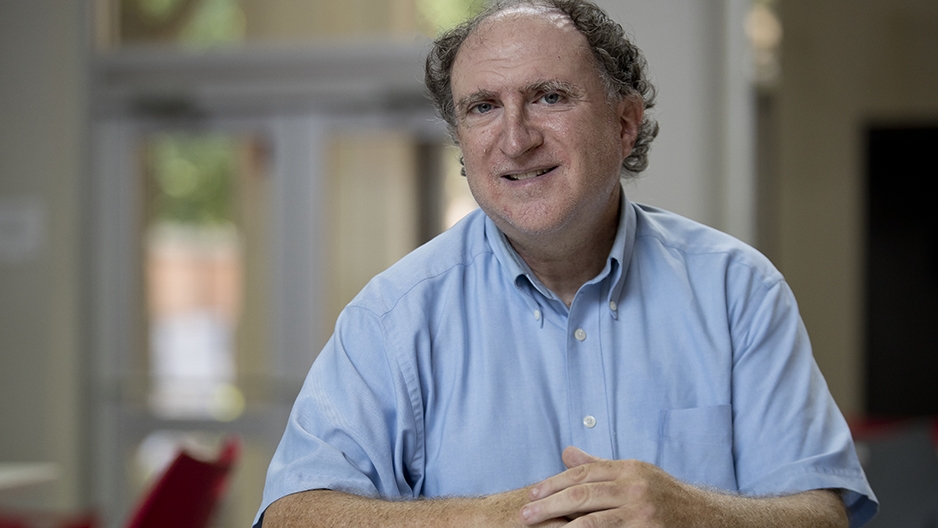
(456, 372)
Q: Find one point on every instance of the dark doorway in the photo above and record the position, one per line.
(902, 271)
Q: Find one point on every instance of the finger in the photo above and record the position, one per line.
(576, 501)
(598, 471)
(574, 456)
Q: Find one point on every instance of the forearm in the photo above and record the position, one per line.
(818, 509)
(325, 508)
(634, 493)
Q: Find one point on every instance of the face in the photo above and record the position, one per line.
(541, 141)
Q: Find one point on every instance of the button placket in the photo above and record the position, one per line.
(586, 371)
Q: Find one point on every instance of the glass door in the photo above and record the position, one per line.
(226, 248)
(187, 301)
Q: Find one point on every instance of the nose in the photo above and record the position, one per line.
(518, 134)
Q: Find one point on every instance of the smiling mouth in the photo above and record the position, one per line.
(528, 175)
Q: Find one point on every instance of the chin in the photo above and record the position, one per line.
(533, 228)
(540, 220)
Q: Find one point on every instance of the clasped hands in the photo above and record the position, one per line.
(595, 492)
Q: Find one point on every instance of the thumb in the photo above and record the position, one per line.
(574, 456)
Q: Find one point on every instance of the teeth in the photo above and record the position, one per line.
(526, 175)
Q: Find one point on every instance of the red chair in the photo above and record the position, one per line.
(187, 493)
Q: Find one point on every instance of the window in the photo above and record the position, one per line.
(200, 23)
(203, 194)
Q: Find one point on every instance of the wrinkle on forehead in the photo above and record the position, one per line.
(481, 36)
(501, 38)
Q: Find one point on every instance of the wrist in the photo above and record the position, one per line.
(504, 509)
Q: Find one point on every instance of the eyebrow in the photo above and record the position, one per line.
(545, 86)
(464, 103)
(555, 85)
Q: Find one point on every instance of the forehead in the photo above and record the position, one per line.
(520, 43)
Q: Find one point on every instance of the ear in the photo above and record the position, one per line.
(630, 112)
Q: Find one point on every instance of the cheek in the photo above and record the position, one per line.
(471, 162)
(602, 143)
(482, 191)
(475, 150)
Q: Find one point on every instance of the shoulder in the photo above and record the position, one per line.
(426, 271)
(669, 235)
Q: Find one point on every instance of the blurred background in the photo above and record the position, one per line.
(190, 191)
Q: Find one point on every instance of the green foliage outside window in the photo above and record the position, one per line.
(193, 179)
(188, 22)
(441, 15)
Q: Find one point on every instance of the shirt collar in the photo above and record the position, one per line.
(615, 270)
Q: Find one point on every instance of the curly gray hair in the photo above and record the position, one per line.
(622, 65)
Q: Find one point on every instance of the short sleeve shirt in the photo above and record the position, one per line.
(457, 373)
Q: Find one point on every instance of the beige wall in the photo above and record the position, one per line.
(42, 162)
(845, 64)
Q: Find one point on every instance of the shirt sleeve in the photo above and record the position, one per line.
(789, 435)
(353, 426)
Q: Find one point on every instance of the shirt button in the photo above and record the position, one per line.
(613, 306)
(537, 315)
(580, 334)
(589, 421)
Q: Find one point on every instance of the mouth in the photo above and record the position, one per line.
(528, 175)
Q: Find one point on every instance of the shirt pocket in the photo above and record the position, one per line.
(696, 445)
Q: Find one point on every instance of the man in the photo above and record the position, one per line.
(567, 357)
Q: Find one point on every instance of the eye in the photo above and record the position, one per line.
(551, 98)
(480, 108)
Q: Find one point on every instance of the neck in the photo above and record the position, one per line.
(564, 264)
